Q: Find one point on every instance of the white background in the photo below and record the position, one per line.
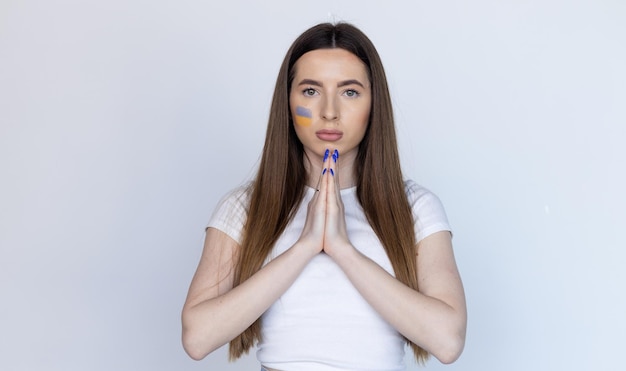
(122, 123)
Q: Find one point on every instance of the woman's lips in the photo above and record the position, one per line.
(329, 135)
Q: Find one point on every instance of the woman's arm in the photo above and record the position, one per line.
(215, 312)
(434, 318)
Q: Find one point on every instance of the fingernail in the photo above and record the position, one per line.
(334, 157)
(332, 172)
(336, 154)
(324, 171)
(326, 155)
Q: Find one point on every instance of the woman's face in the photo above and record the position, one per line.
(330, 101)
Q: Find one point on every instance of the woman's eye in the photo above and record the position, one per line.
(309, 92)
(351, 93)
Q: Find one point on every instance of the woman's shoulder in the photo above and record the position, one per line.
(416, 192)
(428, 212)
(236, 200)
(238, 195)
(231, 212)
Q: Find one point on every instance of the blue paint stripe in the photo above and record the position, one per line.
(304, 112)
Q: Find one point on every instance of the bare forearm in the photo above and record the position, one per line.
(429, 322)
(211, 323)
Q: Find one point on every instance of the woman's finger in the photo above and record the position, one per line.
(324, 169)
(334, 201)
(333, 169)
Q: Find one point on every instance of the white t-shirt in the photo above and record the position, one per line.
(321, 322)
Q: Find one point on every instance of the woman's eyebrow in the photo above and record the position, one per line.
(350, 82)
(339, 84)
(310, 82)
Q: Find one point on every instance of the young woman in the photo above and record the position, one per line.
(329, 259)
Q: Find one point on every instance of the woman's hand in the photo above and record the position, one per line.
(313, 231)
(335, 232)
(325, 225)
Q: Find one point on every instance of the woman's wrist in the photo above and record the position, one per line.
(343, 252)
(307, 249)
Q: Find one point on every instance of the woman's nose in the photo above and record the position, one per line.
(330, 110)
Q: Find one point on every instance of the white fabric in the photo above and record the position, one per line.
(321, 322)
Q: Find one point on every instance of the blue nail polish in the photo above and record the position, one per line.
(334, 157)
(324, 171)
(336, 154)
(332, 172)
(326, 155)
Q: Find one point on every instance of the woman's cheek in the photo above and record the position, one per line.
(304, 116)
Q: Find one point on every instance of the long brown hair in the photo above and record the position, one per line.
(279, 185)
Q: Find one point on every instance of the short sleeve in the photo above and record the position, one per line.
(231, 213)
(428, 213)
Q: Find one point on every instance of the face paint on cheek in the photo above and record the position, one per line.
(304, 117)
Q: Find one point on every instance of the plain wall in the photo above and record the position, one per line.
(123, 122)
